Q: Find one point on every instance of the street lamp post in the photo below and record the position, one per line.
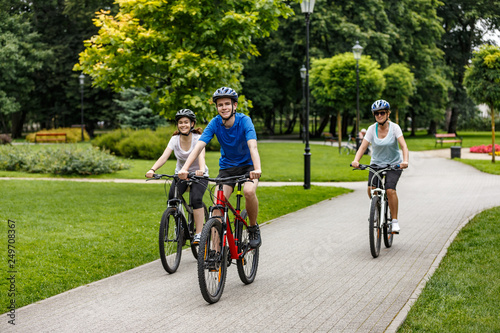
(303, 77)
(82, 82)
(307, 7)
(357, 50)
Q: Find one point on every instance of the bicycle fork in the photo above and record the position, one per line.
(381, 195)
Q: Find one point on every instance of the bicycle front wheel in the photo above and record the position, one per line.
(170, 241)
(388, 235)
(247, 266)
(212, 261)
(374, 226)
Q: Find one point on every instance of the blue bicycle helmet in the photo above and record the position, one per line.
(225, 92)
(380, 105)
(185, 113)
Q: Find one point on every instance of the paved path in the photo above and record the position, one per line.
(315, 274)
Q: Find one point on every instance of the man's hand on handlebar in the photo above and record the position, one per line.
(255, 174)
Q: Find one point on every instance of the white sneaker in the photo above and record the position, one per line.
(395, 227)
(196, 238)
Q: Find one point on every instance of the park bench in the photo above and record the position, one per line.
(329, 138)
(447, 138)
(50, 137)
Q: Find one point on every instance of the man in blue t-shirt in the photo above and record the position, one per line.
(239, 154)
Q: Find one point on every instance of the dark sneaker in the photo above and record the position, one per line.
(254, 236)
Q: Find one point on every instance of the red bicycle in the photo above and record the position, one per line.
(219, 245)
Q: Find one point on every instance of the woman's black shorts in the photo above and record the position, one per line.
(196, 193)
(391, 179)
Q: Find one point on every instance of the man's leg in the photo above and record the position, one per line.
(251, 201)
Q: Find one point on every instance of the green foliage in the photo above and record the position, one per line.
(482, 78)
(144, 144)
(334, 82)
(137, 113)
(21, 54)
(181, 50)
(399, 86)
(65, 160)
(109, 141)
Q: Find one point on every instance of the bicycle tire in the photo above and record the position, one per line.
(212, 261)
(170, 241)
(374, 227)
(388, 235)
(247, 266)
(192, 225)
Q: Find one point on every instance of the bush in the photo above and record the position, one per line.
(110, 141)
(60, 161)
(142, 144)
(73, 134)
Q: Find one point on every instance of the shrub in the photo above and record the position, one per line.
(110, 141)
(73, 134)
(68, 160)
(142, 144)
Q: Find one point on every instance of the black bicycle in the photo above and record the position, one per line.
(380, 220)
(175, 227)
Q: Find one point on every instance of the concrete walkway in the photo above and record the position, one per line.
(316, 273)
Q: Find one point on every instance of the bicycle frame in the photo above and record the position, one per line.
(379, 191)
(222, 204)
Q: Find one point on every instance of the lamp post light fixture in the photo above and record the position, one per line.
(357, 50)
(303, 77)
(82, 82)
(307, 7)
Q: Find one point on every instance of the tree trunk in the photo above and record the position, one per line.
(322, 125)
(333, 121)
(413, 126)
(452, 128)
(492, 133)
(432, 127)
(397, 116)
(17, 124)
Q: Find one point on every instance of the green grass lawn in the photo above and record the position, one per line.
(423, 141)
(70, 233)
(463, 295)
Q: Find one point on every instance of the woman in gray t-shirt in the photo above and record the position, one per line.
(386, 138)
(182, 142)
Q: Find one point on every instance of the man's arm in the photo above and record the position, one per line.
(183, 173)
(254, 154)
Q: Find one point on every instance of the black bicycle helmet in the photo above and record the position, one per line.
(225, 92)
(380, 105)
(185, 113)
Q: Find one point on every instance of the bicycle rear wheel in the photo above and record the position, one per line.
(388, 235)
(247, 266)
(170, 241)
(192, 226)
(212, 261)
(374, 226)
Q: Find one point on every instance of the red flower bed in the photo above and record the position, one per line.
(484, 149)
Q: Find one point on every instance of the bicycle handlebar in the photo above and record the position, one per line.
(223, 180)
(387, 167)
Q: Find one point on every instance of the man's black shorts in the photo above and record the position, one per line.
(235, 171)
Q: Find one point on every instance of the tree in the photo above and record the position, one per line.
(399, 87)
(466, 24)
(21, 54)
(137, 114)
(334, 84)
(182, 51)
(482, 82)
